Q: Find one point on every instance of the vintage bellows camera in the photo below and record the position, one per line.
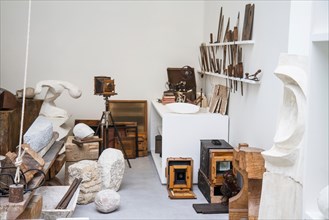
(104, 85)
(179, 173)
(216, 158)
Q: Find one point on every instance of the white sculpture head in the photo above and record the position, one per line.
(82, 131)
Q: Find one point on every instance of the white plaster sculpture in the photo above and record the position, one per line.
(281, 196)
(112, 166)
(56, 115)
(107, 201)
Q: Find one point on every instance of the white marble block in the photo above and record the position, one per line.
(107, 201)
(91, 182)
(39, 134)
(112, 166)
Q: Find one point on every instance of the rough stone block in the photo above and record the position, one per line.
(112, 166)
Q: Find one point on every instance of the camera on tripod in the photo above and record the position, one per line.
(104, 85)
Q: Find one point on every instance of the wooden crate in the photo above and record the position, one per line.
(129, 144)
(142, 145)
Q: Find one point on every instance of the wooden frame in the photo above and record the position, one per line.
(218, 156)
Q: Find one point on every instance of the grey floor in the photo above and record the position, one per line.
(144, 197)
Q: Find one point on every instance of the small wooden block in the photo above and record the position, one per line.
(33, 209)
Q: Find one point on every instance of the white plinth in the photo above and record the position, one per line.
(181, 135)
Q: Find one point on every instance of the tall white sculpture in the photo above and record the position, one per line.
(56, 115)
(282, 182)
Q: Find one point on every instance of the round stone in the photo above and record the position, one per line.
(107, 201)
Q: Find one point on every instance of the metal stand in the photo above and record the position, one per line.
(108, 120)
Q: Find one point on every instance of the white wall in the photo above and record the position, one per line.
(253, 116)
(131, 41)
(316, 162)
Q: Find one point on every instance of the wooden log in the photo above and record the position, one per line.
(33, 208)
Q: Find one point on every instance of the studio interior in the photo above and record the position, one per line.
(164, 109)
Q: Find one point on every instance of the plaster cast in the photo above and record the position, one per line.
(283, 162)
(56, 115)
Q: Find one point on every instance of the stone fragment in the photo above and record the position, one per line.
(112, 167)
(107, 201)
(88, 151)
(91, 182)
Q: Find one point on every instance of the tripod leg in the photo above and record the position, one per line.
(102, 145)
(116, 131)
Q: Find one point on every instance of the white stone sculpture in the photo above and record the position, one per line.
(91, 182)
(107, 201)
(281, 196)
(56, 115)
(112, 166)
(81, 131)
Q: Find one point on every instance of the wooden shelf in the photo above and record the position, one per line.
(244, 42)
(229, 77)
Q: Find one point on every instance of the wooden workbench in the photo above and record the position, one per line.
(13, 210)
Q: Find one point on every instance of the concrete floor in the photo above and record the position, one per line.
(144, 197)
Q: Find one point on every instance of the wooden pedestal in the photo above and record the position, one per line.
(250, 164)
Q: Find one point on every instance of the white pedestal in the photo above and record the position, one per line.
(181, 135)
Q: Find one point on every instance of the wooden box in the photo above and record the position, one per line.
(210, 191)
